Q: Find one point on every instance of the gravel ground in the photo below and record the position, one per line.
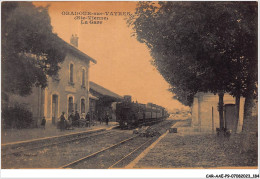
(200, 151)
(59, 155)
(109, 157)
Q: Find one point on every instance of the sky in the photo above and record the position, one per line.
(123, 64)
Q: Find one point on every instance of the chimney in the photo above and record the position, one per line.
(74, 40)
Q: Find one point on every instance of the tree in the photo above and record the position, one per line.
(239, 49)
(201, 46)
(30, 50)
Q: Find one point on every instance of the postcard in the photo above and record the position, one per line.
(124, 85)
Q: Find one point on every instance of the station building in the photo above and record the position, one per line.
(68, 91)
(205, 114)
(102, 101)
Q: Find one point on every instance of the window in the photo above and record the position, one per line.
(71, 73)
(70, 105)
(92, 105)
(83, 78)
(82, 106)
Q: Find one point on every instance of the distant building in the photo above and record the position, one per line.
(66, 92)
(205, 114)
(102, 100)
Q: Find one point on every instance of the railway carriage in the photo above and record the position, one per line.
(133, 114)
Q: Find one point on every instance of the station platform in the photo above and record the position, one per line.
(10, 136)
(191, 149)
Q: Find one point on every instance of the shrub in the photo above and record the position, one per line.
(16, 117)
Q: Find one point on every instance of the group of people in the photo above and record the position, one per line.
(74, 120)
(105, 119)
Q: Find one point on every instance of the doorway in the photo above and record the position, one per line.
(54, 108)
(230, 117)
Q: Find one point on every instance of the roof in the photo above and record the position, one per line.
(103, 91)
(80, 53)
(76, 51)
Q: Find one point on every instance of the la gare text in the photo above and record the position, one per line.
(90, 22)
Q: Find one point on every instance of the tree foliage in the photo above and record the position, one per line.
(30, 49)
(201, 46)
(17, 116)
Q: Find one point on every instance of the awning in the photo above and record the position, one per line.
(93, 97)
(104, 92)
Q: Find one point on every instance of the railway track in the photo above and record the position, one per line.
(17, 150)
(117, 155)
(127, 158)
(55, 154)
(83, 159)
(105, 149)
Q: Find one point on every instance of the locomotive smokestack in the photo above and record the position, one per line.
(128, 98)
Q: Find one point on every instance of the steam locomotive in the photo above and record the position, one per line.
(133, 114)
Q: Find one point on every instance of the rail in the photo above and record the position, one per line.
(96, 153)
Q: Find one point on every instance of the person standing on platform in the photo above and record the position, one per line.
(107, 119)
(69, 122)
(77, 117)
(62, 122)
(100, 118)
(94, 118)
(43, 123)
(88, 119)
(72, 118)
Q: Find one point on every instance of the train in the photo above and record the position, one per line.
(131, 114)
